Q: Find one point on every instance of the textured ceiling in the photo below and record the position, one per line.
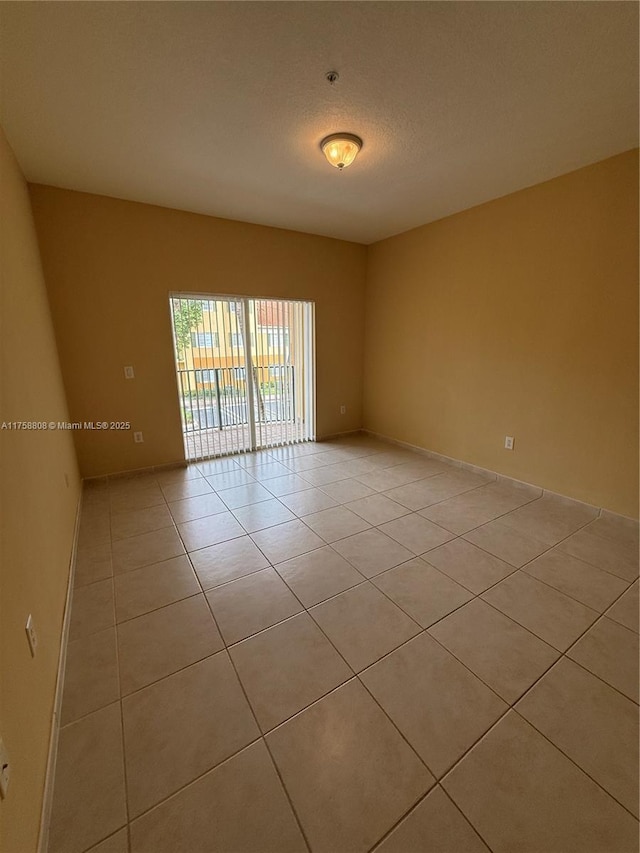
(219, 107)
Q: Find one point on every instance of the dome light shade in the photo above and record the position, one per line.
(341, 149)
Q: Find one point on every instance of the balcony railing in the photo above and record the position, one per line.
(215, 398)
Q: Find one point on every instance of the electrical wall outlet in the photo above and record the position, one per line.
(5, 770)
(128, 372)
(138, 437)
(343, 410)
(508, 442)
(32, 637)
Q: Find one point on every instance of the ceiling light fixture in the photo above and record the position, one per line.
(341, 149)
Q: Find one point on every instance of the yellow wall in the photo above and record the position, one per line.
(110, 267)
(37, 511)
(518, 317)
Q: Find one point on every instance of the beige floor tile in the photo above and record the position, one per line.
(547, 613)
(580, 580)
(129, 498)
(521, 793)
(198, 507)
(238, 496)
(126, 482)
(616, 527)
(288, 484)
(549, 519)
(252, 603)
(95, 528)
(286, 668)
(363, 625)
(318, 575)
(308, 502)
(416, 533)
(470, 566)
(625, 610)
(308, 462)
(377, 509)
(252, 813)
(116, 843)
(188, 489)
(336, 523)
(422, 467)
(322, 476)
(93, 563)
(435, 825)
(164, 641)
(472, 509)
(344, 491)
(255, 458)
(210, 530)
(227, 561)
(387, 458)
(591, 723)
(177, 474)
(137, 521)
(230, 479)
(287, 540)
(95, 505)
(610, 651)
(357, 467)
(504, 655)
(422, 591)
(180, 727)
(437, 488)
(261, 515)
(506, 544)
(92, 609)
(146, 549)
(268, 471)
(348, 772)
(620, 559)
(89, 793)
(371, 552)
(154, 586)
(461, 514)
(438, 705)
(217, 466)
(94, 491)
(183, 715)
(129, 481)
(388, 479)
(91, 675)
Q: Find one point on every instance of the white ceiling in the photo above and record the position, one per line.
(219, 107)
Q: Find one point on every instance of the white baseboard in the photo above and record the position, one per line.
(47, 797)
(332, 435)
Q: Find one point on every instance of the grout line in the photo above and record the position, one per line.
(262, 734)
(125, 776)
(475, 829)
(574, 762)
(415, 806)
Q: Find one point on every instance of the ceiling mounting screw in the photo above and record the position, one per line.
(331, 76)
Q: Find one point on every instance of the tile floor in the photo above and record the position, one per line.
(347, 646)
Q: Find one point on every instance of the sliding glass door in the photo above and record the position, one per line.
(245, 372)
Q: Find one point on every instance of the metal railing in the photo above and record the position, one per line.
(216, 397)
